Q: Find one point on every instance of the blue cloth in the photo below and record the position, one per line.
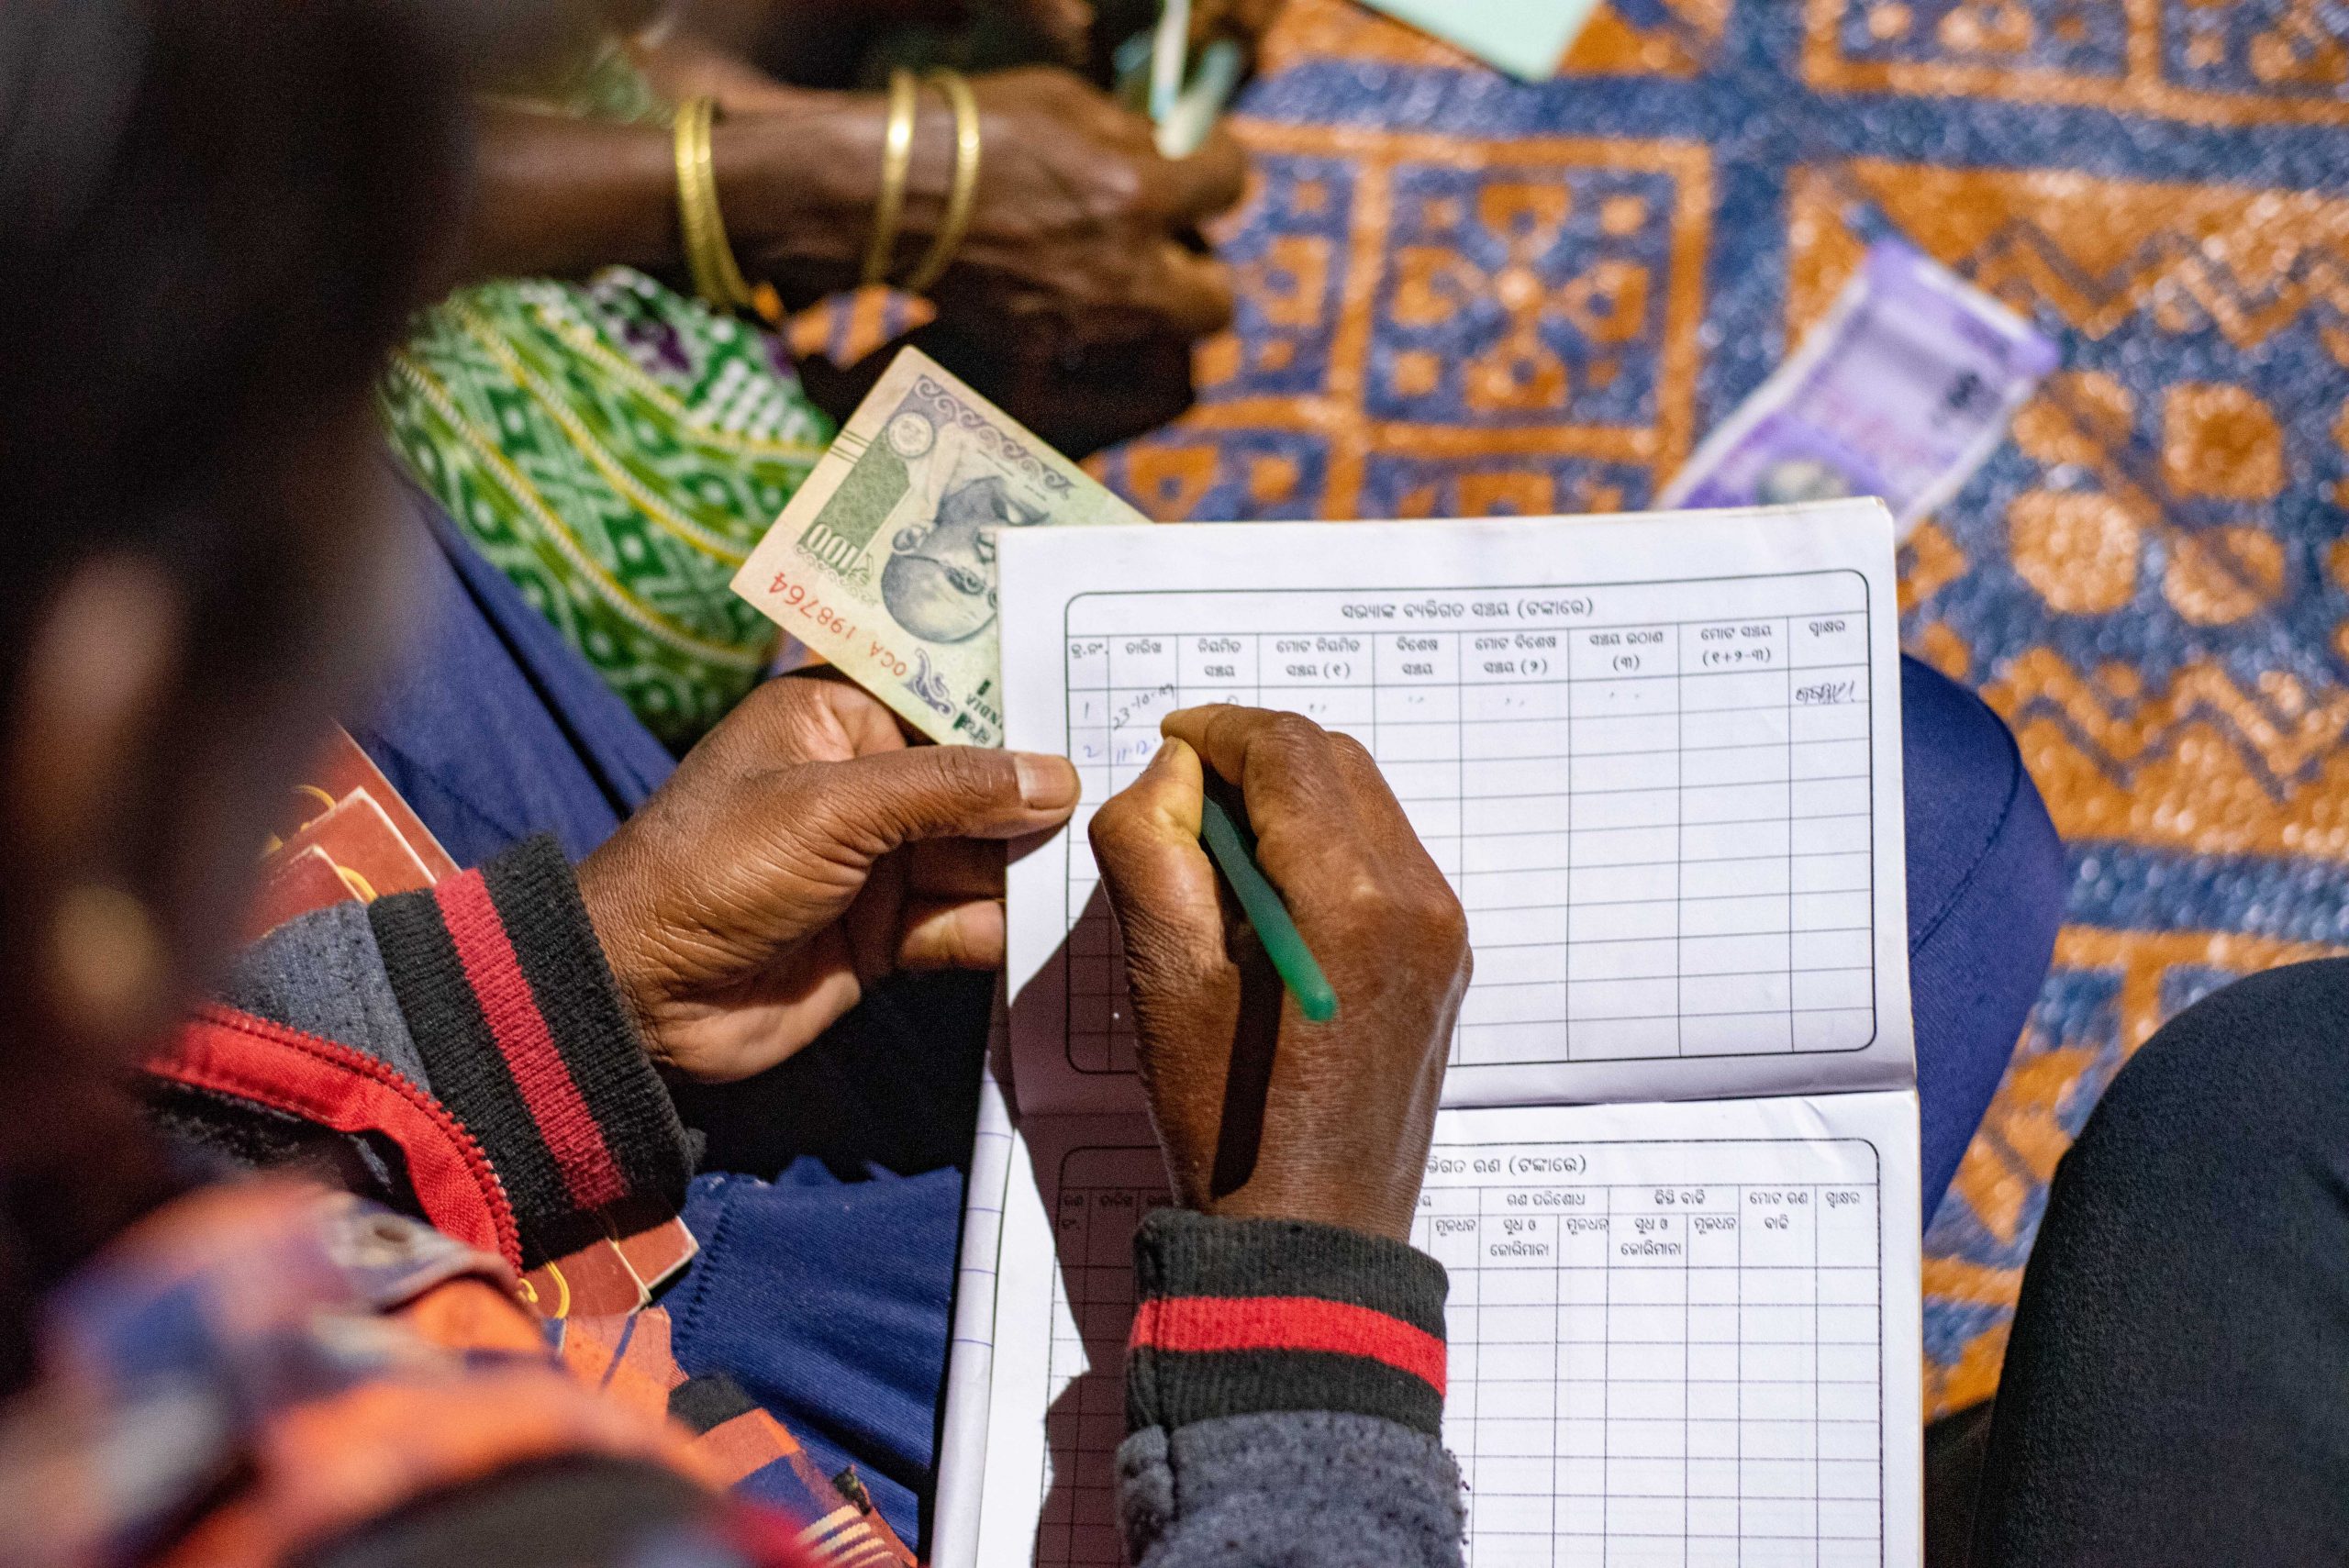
(826, 1291)
(492, 726)
(1987, 884)
(827, 1301)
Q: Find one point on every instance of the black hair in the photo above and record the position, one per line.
(215, 214)
(215, 217)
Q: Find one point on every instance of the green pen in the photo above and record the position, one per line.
(1284, 943)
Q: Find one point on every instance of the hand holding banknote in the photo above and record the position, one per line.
(800, 852)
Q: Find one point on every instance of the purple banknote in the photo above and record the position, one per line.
(1900, 393)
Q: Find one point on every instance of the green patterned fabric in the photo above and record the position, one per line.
(616, 450)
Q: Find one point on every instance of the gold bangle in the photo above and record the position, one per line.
(964, 194)
(695, 195)
(717, 279)
(896, 158)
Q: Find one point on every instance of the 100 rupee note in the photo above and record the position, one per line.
(884, 562)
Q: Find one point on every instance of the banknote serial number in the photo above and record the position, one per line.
(799, 596)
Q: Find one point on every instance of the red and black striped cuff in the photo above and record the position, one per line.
(1241, 1317)
(520, 1024)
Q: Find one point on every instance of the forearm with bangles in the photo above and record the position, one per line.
(562, 196)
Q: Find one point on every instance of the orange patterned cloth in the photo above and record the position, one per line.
(263, 1368)
(1463, 295)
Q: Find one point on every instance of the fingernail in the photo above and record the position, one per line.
(1046, 783)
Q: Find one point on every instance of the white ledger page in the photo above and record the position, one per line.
(1679, 1333)
(1659, 757)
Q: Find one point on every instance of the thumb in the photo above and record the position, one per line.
(872, 804)
(1160, 882)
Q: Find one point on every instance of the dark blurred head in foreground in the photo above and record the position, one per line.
(214, 215)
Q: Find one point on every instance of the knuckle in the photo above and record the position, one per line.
(1122, 839)
(1448, 922)
(1292, 731)
(771, 713)
(1428, 905)
(836, 816)
(1366, 898)
(1119, 188)
(975, 772)
(1111, 823)
(771, 696)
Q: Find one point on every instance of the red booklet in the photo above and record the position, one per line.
(344, 835)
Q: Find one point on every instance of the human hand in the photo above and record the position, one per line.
(800, 852)
(1080, 228)
(1080, 234)
(1347, 1107)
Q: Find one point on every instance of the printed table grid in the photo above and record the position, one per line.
(1639, 1373)
(1661, 831)
(1681, 1373)
(1093, 1294)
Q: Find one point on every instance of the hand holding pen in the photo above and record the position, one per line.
(1264, 1111)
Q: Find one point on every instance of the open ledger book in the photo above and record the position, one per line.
(1675, 1180)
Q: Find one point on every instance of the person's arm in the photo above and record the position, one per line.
(490, 994)
(561, 194)
(1078, 231)
(1285, 1383)
(1315, 1442)
(799, 852)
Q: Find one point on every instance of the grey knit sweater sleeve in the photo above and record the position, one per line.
(1283, 1393)
(323, 974)
(490, 994)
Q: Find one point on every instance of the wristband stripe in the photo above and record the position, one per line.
(538, 904)
(1247, 1316)
(590, 1174)
(466, 1072)
(1207, 1325)
(524, 1039)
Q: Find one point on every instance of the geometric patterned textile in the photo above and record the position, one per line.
(615, 448)
(1461, 295)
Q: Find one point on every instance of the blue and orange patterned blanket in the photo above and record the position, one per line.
(1463, 295)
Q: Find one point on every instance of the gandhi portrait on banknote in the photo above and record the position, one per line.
(940, 582)
(884, 562)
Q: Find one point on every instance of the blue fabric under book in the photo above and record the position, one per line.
(1986, 883)
(826, 1292)
(493, 727)
(827, 1300)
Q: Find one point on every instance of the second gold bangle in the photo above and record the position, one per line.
(896, 158)
(962, 196)
(695, 182)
